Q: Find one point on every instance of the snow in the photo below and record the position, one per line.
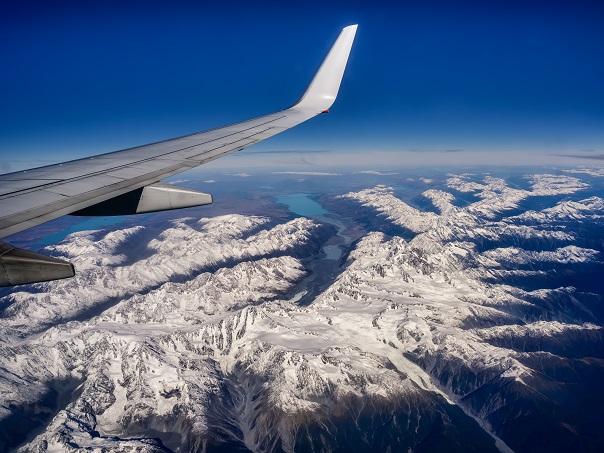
(381, 198)
(587, 209)
(201, 330)
(595, 171)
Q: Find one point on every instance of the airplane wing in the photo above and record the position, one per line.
(128, 181)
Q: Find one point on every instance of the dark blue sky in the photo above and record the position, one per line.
(79, 79)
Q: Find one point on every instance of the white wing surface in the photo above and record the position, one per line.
(128, 181)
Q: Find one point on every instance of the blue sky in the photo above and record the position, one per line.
(80, 79)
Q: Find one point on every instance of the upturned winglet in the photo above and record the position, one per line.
(128, 181)
(322, 91)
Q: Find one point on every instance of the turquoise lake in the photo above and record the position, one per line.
(92, 223)
(301, 204)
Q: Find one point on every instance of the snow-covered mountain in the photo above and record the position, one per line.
(189, 336)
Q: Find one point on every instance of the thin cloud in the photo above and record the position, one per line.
(583, 156)
(377, 173)
(306, 173)
(289, 151)
(241, 174)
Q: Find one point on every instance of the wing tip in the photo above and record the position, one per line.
(323, 89)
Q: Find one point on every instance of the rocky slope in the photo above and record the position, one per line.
(189, 336)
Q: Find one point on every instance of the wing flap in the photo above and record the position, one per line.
(8, 187)
(25, 202)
